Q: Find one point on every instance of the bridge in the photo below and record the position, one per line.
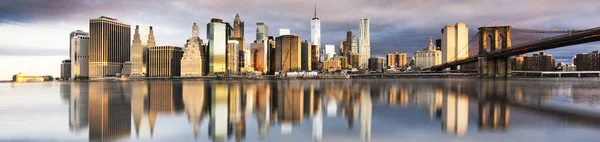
(495, 50)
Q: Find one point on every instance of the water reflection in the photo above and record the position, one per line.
(224, 108)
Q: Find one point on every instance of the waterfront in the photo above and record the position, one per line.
(436, 109)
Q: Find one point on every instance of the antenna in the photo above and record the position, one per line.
(315, 10)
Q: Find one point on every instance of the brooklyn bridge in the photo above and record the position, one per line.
(492, 47)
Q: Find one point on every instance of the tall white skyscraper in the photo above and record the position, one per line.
(79, 53)
(315, 30)
(364, 43)
(455, 40)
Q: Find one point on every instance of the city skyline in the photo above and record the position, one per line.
(391, 30)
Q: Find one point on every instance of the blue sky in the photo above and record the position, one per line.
(34, 29)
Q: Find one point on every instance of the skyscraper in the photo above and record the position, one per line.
(193, 57)
(238, 30)
(74, 34)
(314, 55)
(137, 54)
(455, 42)
(232, 57)
(348, 43)
(262, 36)
(315, 30)
(306, 56)
(65, 69)
(428, 57)
(79, 54)
(218, 36)
(164, 61)
(105, 60)
(364, 43)
(288, 48)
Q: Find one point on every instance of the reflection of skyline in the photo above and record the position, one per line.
(275, 104)
(109, 112)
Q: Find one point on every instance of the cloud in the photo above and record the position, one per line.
(396, 26)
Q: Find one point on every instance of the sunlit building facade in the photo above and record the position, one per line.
(288, 47)
(262, 36)
(218, 35)
(306, 56)
(105, 60)
(79, 43)
(65, 69)
(193, 56)
(232, 57)
(364, 42)
(455, 40)
(165, 61)
(315, 30)
(428, 57)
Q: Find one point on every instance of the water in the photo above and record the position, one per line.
(303, 110)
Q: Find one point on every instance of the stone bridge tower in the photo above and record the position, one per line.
(495, 39)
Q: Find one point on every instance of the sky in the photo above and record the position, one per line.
(34, 33)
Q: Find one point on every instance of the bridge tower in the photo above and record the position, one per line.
(499, 39)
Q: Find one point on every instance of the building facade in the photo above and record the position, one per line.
(314, 55)
(262, 36)
(164, 61)
(332, 65)
(354, 60)
(109, 46)
(587, 61)
(306, 58)
(137, 54)
(375, 64)
(79, 54)
(428, 57)
(232, 57)
(218, 35)
(288, 52)
(455, 40)
(193, 56)
(539, 62)
(65, 69)
(396, 60)
(364, 42)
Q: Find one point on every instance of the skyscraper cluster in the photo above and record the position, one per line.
(109, 51)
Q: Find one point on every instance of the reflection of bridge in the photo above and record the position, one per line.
(496, 62)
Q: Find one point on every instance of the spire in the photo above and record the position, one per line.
(195, 30)
(151, 40)
(237, 16)
(430, 46)
(315, 10)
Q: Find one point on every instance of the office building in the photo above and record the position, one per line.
(428, 57)
(332, 65)
(258, 54)
(105, 60)
(375, 64)
(193, 56)
(315, 30)
(347, 43)
(306, 58)
(65, 69)
(587, 61)
(238, 30)
(364, 42)
(314, 55)
(396, 60)
(79, 43)
(288, 50)
(137, 54)
(272, 55)
(354, 60)
(262, 36)
(539, 62)
(164, 61)
(232, 57)
(455, 42)
(245, 60)
(329, 52)
(218, 35)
